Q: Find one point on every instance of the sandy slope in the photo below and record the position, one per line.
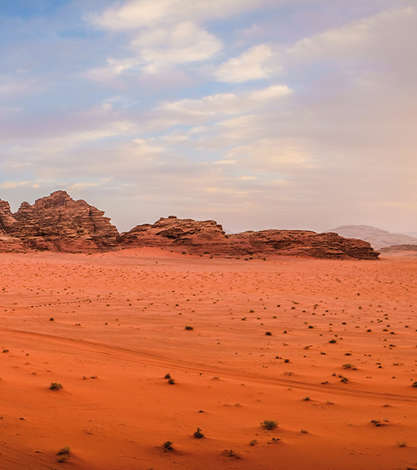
(120, 318)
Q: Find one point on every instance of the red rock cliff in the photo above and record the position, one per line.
(7, 221)
(208, 237)
(59, 223)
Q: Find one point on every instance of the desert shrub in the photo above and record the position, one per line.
(198, 434)
(269, 425)
(55, 386)
(63, 454)
(167, 446)
(231, 454)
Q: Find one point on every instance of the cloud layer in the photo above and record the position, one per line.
(256, 113)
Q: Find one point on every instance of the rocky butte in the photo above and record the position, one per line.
(58, 223)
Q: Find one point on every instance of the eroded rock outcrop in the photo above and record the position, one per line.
(58, 223)
(303, 243)
(197, 236)
(208, 237)
(8, 243)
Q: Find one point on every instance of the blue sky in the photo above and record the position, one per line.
(256, 113)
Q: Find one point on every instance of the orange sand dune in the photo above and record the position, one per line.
(321, 347)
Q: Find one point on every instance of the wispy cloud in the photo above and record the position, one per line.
(250, 65)
(255, 112)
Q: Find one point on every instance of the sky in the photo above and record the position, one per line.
(256, 113)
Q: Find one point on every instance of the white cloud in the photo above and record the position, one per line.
(88, 184)
(161, 48)
(270, 93)
(183, 43)
(113, 69)
(136, 14)
(18, 184)
(225, 103)
(273, 154)
(251, 65)
(225, 162)
(146, 147)
(356, 39)
(35, 148)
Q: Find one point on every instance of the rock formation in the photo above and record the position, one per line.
(7, 221)
(58, 223)
(195, 236)
(305, 243)
(207, 237)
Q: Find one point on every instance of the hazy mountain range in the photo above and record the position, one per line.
(377, 237)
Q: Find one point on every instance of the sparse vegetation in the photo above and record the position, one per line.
(167, 446)
(198, 434)
(269, 425)
(377, 423)
(63, 454)
(55, 386)
(231, 454)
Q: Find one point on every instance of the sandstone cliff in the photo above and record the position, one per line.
(58, 223)
(208, 237)
(8, 243)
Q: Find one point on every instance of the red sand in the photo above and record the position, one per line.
(121, 317)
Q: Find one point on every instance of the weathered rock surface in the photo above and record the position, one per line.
(7, 221)
(208, 237)
(199, 237)
(58, 223)
(305, 243)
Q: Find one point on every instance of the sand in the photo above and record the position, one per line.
(323, 348)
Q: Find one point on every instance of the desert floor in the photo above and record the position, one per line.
(327, 349)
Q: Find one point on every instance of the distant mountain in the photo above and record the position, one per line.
(377, 237)
(400, 249)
